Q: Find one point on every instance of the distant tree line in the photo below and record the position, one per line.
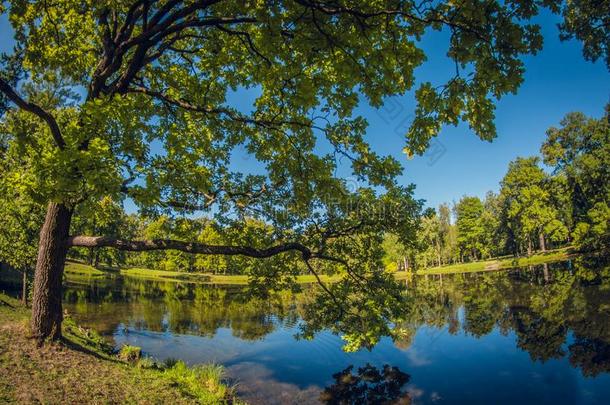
(562, 197)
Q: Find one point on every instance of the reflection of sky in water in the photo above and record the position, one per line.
(258, 348)
(443, 367)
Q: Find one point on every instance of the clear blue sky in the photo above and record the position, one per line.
(558, 80)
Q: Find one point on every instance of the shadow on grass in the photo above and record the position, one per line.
(6, 303)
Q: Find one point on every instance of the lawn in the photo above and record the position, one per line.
(82, 269)
(77, 271)
(83, 369)
(502, 263)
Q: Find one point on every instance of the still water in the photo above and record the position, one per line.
(530, 335)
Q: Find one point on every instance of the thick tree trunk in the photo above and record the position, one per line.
(529, 246)
(52, 249)
(542, 242)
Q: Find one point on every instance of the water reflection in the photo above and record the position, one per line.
(474, 327)
(179, 308)
(369, 385)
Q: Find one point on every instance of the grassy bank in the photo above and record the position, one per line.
(82, 369)
(76, 270)
(79, 270)
(502, 263)
(207, 278)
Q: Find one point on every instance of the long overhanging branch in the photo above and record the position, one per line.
(34, 109)
(204, 249)
(188, 247)
(201, 248)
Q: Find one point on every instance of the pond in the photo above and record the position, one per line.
(530, 335)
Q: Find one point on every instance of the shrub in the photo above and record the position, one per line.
(148, 362)
(130, 353)
(204, 382)
(170, 362)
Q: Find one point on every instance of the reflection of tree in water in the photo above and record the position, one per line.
(369, 386)
(592, 356)
(541, 308)
(542, 339)
(540, 305)
(183, 308)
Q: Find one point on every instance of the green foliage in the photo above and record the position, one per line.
(134, 106)
(21, 219)
(130, 354)
(588, 21)
(103, 217)
(394, 252)
(203, 383)
(579, 152)
(595, 233)
(470, 227)
(528, 205)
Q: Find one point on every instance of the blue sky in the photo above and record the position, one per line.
(558, 80)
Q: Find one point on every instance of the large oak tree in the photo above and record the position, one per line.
(128, 99)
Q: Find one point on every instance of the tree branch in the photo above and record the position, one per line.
(189, 247)
(36, 110)
(231, 114)
(200, 248)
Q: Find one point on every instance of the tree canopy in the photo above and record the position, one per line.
(131, 100)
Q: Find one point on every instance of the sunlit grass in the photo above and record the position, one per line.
(503, 263)
(76, 271)
(164, 275)
(82, 269)
(203, 382)
(84, 368)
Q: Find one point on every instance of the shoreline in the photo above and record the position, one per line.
(83, 368)
(76, 270)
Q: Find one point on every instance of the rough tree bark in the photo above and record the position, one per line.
(46, 302)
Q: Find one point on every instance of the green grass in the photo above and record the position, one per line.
(82, 269)
(75, 271)
(130, 353)
(501, 263)
(204, 383)
(242, 280)
(83, 369)
(208, 277)
(164, 275)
